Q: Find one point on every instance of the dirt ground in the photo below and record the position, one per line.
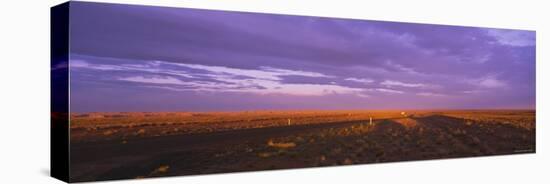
(106, 146)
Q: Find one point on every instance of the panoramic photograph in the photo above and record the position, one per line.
(158, 91)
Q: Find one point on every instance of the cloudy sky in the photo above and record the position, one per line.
(140, 58)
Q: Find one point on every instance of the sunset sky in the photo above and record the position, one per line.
(142, 58)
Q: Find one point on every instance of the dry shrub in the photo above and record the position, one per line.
(281, 144)
(109, 132)
(160, 170)
(264, 154)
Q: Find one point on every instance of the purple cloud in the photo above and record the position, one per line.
(126, 58)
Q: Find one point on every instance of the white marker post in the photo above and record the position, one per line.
(289, 121)
(370, 121)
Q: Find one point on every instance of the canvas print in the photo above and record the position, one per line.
(160, 91)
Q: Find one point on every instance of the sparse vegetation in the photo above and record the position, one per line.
(281, 145)
(135, 145)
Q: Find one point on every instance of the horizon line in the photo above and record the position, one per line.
(327, 110)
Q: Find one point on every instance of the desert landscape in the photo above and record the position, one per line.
(156, 91)
(151, 144)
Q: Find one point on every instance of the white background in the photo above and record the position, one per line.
(24, 91)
